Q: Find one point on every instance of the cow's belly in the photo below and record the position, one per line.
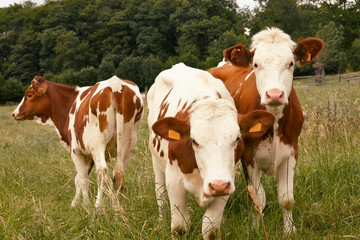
(97, 140)
(269, 154)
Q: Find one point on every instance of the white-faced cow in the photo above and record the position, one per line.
(195, 131)
(93, 123)
(262, 78)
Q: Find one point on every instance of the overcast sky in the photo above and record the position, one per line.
(6, 3)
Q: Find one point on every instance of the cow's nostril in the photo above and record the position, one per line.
(219, 187)
(275, 96)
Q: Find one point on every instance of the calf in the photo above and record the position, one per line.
(92, 122)
(262, 79)
(194, 133)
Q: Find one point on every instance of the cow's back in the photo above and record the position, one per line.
(93, 117)
(180, 85)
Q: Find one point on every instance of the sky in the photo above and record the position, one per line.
(6, 3)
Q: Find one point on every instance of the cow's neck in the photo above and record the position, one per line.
(278, 112)
(62, 98)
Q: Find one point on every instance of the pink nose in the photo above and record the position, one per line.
(274, 96)
(219, 188)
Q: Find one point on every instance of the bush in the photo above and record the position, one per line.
(11, 91)
(139, 70)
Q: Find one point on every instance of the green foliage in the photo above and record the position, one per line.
(65, 39)
(282, 14)
(139, 70)
(331, 55)
(10, 90)
(353, 55)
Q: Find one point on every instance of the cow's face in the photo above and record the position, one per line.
(273, 56)
(35, 103)
(274, 67)
(214, 134)
(207, 141)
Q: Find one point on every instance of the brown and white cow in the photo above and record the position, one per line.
(194, 133)
(92, 122)
(262, 78)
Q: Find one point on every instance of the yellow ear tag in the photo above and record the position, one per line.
(255, 128)
(174, 135)
(307, 58)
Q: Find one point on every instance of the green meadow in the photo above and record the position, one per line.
(37, 182)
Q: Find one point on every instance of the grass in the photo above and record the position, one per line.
(37, 182)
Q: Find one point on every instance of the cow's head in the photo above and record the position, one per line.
(35, 103)
(207, 140)
(273, 55)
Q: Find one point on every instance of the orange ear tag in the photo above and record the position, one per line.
(174, 135)
(255, 128)
(233, 52)
(307, 58)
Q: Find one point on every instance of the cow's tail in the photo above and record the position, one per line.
(128, 121)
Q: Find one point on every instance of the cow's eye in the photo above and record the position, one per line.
(238, 138)
(255, 65)
(291, 64)
(194, 143)
(29, 95)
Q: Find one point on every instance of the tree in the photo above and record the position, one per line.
(282, 14)
(71, 53)
(24, 58)
(353, 55)
(331, 57)
(11, 90)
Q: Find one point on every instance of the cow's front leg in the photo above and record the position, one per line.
(212, 218)
(177, 197)
(254, 175)
(82, 181)
(285, 192)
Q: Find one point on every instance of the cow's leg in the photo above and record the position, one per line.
(212, 218)
(254, 176)
(82, 181)
(285, 192)
(101, 173)
(160, 188)
(177, 197)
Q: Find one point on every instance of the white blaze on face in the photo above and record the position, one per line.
(215, 129)
(17, 110)
(273, 63)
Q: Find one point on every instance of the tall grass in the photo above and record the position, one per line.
(37, 183)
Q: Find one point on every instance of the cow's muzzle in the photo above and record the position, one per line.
(17, 117)
(219, 188)
(275, 96)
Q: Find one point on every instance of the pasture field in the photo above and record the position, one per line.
(37, 182)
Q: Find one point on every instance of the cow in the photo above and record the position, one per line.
(194, 133)
(262, 78)
(94, 123)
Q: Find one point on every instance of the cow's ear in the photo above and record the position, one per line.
(37, 80)
(41, 91)
(171, 129)
(256, 123)
(39, 85)
(308, 49)
(238, 55)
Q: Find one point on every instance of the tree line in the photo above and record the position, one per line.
(80, 42)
